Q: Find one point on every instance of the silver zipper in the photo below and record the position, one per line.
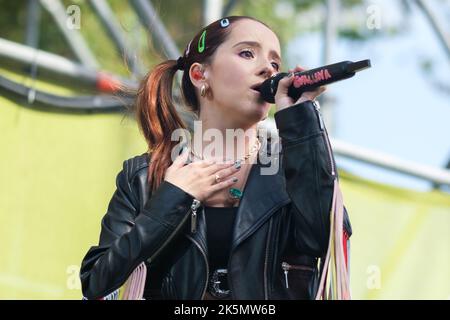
(266, 291)
(329, 153)
(321, 123)
(195, 204)
(325, 134)
(287, 267)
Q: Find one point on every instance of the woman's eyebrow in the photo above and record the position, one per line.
(257, 44)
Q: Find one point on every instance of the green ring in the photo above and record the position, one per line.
(201, 42)
(235, 193)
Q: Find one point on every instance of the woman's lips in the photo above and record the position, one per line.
(256, 86)
(260, 99)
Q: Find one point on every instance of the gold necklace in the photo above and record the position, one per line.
(236, 193)
(253, 149)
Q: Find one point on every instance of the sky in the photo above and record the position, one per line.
(392, 107)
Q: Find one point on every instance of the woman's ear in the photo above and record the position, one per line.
(197, 74)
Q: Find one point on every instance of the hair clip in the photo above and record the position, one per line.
(188, 48)
(224, 23)
(201, 42)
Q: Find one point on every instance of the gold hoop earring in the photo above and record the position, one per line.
(203, 90)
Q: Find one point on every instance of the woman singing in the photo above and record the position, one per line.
(220, 223)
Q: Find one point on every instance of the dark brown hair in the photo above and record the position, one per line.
(155, 109)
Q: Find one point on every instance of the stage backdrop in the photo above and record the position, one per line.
(57, 175)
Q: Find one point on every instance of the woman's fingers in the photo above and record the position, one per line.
(297, 68)
(217, 167)
(181, 160)
(205, 163)
(223, 174)
(283, 85)
(223, 184)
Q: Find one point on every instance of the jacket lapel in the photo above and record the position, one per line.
(262, 195)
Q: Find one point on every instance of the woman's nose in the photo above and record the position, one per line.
(268, 71)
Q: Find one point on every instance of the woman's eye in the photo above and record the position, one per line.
(276, 66)
(248, 54)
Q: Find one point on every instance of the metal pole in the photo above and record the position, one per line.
(330, 28)
(329, 38)
(212, 10)
(435, 175)
(150, 19)
(49, 61)
(443, 37)
(32, 37)
(229, 7)
(73, 37)
(32, 24)
(52, 63)
(112, 26)
(379, 159)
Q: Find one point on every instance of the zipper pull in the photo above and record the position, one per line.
(317, 106)
(286, 267)
(195, 204)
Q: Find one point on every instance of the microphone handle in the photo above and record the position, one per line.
(312, 79)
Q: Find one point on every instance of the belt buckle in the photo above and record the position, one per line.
(218, 277)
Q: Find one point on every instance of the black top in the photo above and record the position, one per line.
(219, 230)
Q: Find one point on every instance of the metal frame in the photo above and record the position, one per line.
(150, 19)
(443, 37)
(54, 63)
(438, 176)
(73, 37)
(112, 27)
(383, 160)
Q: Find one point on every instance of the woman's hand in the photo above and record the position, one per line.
(282, 100)
(199, 178)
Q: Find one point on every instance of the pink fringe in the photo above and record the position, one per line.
(335, 280)
(134, 287)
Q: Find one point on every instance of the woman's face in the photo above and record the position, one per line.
(250, 55)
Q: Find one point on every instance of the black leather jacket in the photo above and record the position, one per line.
(281, 218)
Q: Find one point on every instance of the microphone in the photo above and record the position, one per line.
(311, 79)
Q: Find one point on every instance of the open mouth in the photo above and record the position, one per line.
(256, 87)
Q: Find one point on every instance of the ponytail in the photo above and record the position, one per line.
(158, 118)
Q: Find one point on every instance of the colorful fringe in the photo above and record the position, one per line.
(133, 289)
(335, 278)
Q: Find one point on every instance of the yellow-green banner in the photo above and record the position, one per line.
(57, 175)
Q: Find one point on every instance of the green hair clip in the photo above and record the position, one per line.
(201, 42)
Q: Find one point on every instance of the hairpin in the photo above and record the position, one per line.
(188, 48)
(224, 23)
(201, 42)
